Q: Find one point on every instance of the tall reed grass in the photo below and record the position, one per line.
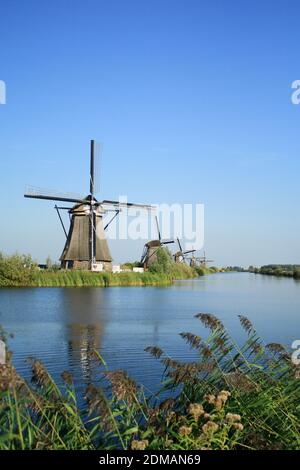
(105, 279)
(232, 397)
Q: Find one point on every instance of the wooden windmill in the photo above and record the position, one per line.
(86, 246)
(199, 260)
(180, 255)
(149, 255)
(194, 260)
(203, 260)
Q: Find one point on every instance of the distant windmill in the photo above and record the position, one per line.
(86, 246)
(203, 260)
(149, 255)
(180, 256)
(194, 260)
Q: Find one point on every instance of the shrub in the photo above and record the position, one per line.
(165, 265)
(16, 270)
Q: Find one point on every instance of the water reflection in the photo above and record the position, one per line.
(85, 321)
(61, 326)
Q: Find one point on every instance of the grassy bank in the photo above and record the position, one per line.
(279, 270)
(232, 397)
(85, 279)
(22, 271)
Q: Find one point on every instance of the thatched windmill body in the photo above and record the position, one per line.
(149, 255)
(86, 246)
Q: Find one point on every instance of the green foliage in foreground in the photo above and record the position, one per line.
(280, 270)
(232, 397)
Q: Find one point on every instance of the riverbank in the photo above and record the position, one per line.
(232, 398)
(22, 271)
(279, 270)
(88, 279)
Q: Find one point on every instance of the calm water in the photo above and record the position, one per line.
(61, 325)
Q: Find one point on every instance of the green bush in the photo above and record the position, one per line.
(164, 265)
(296, 273)
(16, 270)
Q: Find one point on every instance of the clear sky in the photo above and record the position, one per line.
(191, 99)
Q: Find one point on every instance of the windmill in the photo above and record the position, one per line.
(180, 256)
(199, 260)
(193, 260)
(86, 246)
(203, 260)
(149, 255)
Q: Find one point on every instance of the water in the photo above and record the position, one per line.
(60, 326)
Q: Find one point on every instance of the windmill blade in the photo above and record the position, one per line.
(167, 242)
(61, 221)
(188, 251)
(144, 254)
(179, 244)
(54, 198)
(95, 160)
(128, 205)
(92, 167)
(157, 226)
(39, 193)
(117, 212)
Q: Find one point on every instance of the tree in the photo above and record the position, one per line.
(163, 263)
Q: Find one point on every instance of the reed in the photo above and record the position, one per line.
(89, 279)
(233, 397)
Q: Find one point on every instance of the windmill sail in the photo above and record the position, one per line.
(51, 195)
(180, 256)
(97, 152)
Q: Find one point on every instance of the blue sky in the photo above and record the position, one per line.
(192, 101)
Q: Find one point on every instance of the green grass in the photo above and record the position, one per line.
(232, 397)
(105, 279)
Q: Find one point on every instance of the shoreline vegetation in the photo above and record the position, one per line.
(279, 270)
(21, 271)
(233, 397)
